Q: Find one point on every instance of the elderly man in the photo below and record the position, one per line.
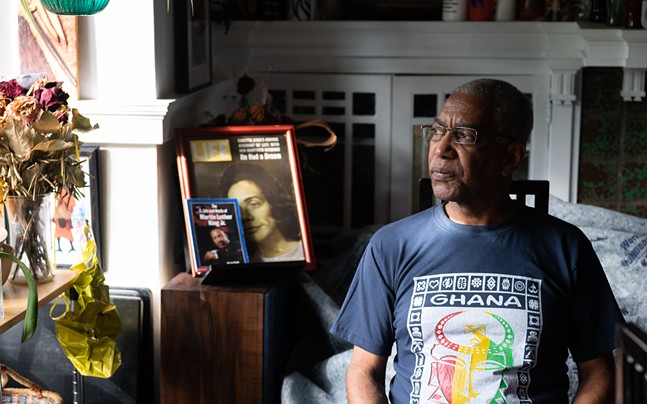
(483, 297)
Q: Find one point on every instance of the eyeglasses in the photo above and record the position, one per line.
(459, 134)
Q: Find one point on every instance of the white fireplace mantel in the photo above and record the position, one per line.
(557, 50)
(426, 47)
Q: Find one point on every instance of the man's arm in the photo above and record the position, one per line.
(211, 255)
(596, 381)
(365, 378)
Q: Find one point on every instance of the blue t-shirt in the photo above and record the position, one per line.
(480, 313)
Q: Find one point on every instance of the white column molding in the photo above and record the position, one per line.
(633, 84)
(636, 40)
(564, 128)
(134, 124)
(562, 87)
(633, 81)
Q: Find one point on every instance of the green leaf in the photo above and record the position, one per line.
(80, 122)
(19, 137)
(76, 176)
(31, 313)
(47, 123)
(31, 16)
(53, 146)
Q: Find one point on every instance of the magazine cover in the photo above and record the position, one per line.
(258, 167)
(216, 232)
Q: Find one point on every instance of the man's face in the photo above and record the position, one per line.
(219, 238)
(462, 173)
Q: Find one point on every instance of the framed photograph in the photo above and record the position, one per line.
(258, 167)
(192, 45)
(216, 233)
(71, 213)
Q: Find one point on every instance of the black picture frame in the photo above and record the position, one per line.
(212, 160)
(87, 207)
(192, 45)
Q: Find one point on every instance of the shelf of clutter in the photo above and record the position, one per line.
(15, 296)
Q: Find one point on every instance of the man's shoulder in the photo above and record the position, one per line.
(405, 232)
(416, 222)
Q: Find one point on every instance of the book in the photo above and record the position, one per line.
(258, 166)
(215, 233)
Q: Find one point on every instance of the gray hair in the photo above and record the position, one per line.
(512, 112)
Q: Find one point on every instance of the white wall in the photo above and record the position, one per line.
(9, 33)
(126, 85)
(117, 52)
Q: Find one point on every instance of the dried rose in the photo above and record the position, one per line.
(11, 89)
(239, 117)
(3, 105)
(39, 84)
(51, 96)
(24, 109)
(257, 114)
(245, 85)
(62, 113)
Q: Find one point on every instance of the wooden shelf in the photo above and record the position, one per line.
(15, 297)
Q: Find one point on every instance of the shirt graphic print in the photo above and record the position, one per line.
(474, 337)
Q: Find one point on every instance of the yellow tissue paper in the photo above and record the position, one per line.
(88, 327)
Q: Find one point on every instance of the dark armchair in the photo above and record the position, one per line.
(521, 190)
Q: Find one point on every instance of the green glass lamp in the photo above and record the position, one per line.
(75, 7)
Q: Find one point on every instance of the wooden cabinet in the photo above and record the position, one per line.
(225, 343)
(15, 305)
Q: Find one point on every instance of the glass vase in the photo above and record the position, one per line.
(634, 8)
(615, 12)
(598, 11)
(530, 10)
(31, 235)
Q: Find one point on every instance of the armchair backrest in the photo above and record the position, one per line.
(631, 382)
(521, 190)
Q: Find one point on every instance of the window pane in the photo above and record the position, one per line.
(363, 103)
(333, 95)
(363, 189)
(424, 105)
(322, 172)
(303, 95)
(333, 110)
(278, 100)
